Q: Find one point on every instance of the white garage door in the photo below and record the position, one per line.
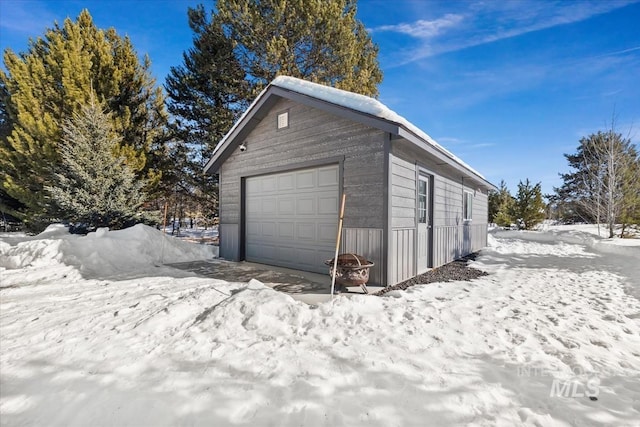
(291, 218)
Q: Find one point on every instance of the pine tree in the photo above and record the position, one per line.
(501, 206)
(94, 185)
(50, 82)
(630, 210)
(604, 183)
(320, 41)
(529, 208)
(205, 95)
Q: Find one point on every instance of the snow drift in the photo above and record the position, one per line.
(627, 247)
(102, 253)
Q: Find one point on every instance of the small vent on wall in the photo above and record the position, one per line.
(283, 120)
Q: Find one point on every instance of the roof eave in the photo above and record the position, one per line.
(444, 157)
(272, 93)
(239, 130)
(252, 117)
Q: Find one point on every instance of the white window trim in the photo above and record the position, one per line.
(467, 201)
(419, 210)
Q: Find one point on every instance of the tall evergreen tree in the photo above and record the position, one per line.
(320, 41)
(5, 123)
(205, 95)
(501, 205)
(94, 186)
(630, 210)
(529, 208)
(50, 82)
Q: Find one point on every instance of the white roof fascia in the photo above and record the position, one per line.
(445, 156)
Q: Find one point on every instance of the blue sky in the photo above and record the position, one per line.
(508, 86)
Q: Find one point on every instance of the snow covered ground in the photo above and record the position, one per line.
(95, 331)
(602, 231)
(195, 234)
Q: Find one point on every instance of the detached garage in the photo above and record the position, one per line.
(411, 204)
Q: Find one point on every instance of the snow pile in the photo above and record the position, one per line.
(601, 232)
(499, 350)
(573, 236)
(255, 308)
(517, 246)
(102, 253)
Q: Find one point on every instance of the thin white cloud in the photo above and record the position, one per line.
(483, 145)
(424, 28)
(449, 140)
(463, 144)
(487, 22)
(619, 52)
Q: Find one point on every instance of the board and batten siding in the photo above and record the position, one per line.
(403, 219)
(313, 137)
(369, 243)
(453, 237)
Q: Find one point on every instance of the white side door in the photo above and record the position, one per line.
(424, 227)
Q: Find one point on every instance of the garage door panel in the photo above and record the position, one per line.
(285, 230)
(306, 205)
(328, 177)
(327, 233)
(291, 218)
(305, 180)
(253, 206)
(253, 229)
(269, 184)
(306, 231)
(307, 256)
(267, 207)
(268, 229)
(253, 187)
(325, 255)
(286, 182)
(285, 253)
(264, 252)
(286, 206)
(327, 205)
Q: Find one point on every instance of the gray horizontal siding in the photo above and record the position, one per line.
(312, 135)
(367, 242)
(480, 208)
(447, 202)
(403, 193)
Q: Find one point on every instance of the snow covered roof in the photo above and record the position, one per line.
(361, 103)
(346, 99)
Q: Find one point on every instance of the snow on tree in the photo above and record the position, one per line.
(319, 41)
(94, 186)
